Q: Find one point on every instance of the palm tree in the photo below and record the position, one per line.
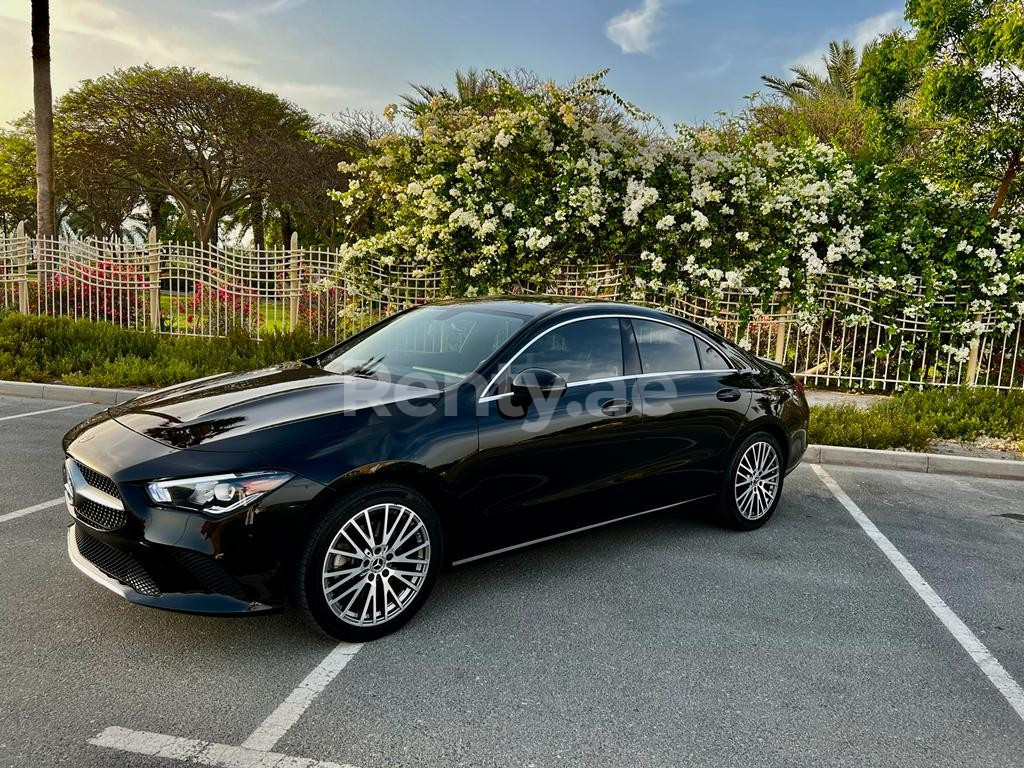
(470, 86)
(839, 81)
(43, 97)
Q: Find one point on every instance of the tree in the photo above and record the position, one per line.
(816, 106)
(961, 65)
(208, 143)
(470, 87)
(43, 100)
(839, 81)
(17, 184)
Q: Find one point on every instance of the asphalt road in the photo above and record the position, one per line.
(662, 641)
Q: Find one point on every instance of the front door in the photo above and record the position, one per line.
(556, 465)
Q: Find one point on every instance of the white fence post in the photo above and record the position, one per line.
(972, 358)
(153, 249)
(21, 259)
(782, 332)
(293, 281)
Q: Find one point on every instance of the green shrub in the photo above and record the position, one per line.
(875, 427)
(100, 354)
(964, 414)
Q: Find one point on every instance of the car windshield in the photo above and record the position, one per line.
(443, 344)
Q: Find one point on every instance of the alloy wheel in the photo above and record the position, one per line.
(376, 564)
(757, 480)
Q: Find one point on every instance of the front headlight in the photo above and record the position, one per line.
(216, 494)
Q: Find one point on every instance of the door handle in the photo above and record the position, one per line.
(728, 395)
(616, 408)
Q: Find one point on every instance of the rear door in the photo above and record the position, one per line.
(694, 405)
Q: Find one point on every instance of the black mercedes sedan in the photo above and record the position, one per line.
(446, 433)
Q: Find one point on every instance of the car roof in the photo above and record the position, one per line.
(538, 307)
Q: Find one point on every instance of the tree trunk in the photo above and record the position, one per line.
(286, 228)
(1004, 185)
(155, 202)
(259, 236)
(43, 98)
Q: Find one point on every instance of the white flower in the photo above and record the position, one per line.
(638, 197)
(502, 140)
(666, 221)
(508, 209)
(705, 242)
(784, 282)
(742, 236)
(414, 188)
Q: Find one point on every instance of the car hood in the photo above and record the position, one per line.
(211, 412)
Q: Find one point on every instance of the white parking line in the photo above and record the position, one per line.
(29, 510)
(270, 731)
(255, 751)
(981, 655)
(45, 410)
(200, 752)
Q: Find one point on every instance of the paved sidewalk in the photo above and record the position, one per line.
(825, 397)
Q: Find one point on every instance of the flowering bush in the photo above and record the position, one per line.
(102, 290)
(497, 193)
(218, 311)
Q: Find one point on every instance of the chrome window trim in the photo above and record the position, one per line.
(617, 316)
(626, 377)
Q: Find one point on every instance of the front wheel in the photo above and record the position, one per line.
(753, 483)
(370, 563)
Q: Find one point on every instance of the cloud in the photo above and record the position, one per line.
(859, 34)
(632, 30)
(92, 37)
(248, 13)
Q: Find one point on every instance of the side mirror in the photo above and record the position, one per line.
(536, 383)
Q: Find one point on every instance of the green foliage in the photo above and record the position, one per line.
(17, 179)
(104, 355)
(494, 194)
(205, 141)
(960, 70)
(875, 427)
(914, 418)
(965, 414)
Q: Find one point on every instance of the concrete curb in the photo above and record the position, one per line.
(67, 392)
(932, 463)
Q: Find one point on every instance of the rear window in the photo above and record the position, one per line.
(712, 359)
(665, 348)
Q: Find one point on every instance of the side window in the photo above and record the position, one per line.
(588, 349)
(665, 349)
(713, 359)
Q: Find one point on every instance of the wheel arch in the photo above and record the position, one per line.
(426, 482)
(773, 426)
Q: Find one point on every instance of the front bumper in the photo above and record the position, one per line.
(157, 556)
(111, 568)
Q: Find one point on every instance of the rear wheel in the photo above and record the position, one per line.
(753, 484)
(370, 564)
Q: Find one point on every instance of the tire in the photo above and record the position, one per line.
(362, 599)
(752, 486)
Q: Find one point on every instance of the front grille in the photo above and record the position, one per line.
(99, 516)
(118, 565)
(96, 480)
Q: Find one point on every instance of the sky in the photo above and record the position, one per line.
(681, 60)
